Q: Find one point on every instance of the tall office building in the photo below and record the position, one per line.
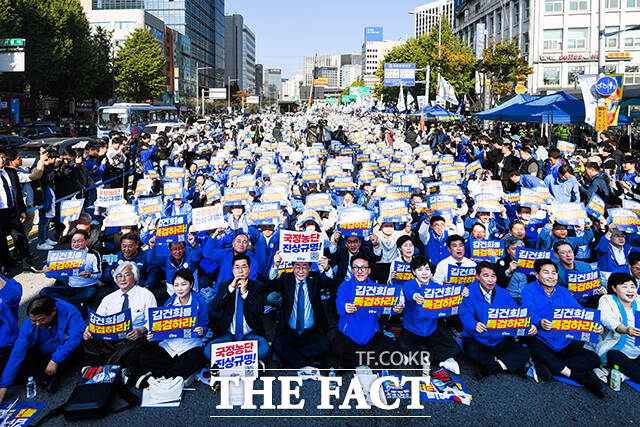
(428, 15)
(239, 53)
(309, 62)
(259, 79)
(202, 21)
(272, 84)
(374, 50)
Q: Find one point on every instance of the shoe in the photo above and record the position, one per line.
(30, 267)
(51, 242)
(544, 373)
(590, 381)
(143, 381)
(44, 246)
(451, 365)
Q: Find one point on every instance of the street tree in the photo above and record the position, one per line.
(449, 56)
(504, 65)
(139, 68)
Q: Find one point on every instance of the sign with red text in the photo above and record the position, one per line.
(576, 323)
(441, 300)
(65, 263)
(172, 322)
(237, 358)
(508, 321)
(526, 257)
(172, 229)
(298, 246)
(377, 299)
(113, 327)
(583, 284)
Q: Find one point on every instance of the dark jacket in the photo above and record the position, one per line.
(253, 306)
(286, 284)
(16, 189)
(341, 258)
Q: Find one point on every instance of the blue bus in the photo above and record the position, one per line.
(132, 118)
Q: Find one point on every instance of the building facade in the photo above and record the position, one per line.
(202, 21)
(558, 38)
(427, 16)
(350, 74)
(259, 73)
(272, 85)
(240, 53)
(309, 62)
(373, 53)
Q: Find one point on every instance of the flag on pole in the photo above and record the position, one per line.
(464, 98)
(380, 105)
(410, 100)
(446, 91)
(400, 106)
(422, 127)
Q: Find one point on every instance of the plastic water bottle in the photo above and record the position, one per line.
(615, 378)
(31, 388)
(332, 374)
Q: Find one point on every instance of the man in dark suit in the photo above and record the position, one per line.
(301, 335)
(241, 301)
(341, 255)
(12, 215)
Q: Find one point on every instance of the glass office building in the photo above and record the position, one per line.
(202, 21)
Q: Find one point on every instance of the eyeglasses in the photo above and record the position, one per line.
(121, 275)
(360, 267)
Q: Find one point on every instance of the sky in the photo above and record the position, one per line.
(287, 30)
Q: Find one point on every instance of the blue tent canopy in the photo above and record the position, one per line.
(557, 108)
(494, 113)
(437, 113)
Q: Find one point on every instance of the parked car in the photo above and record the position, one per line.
(38, 130)
(166, 127)
(10, 141)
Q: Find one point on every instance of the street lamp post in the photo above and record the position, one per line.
(197, 82)
(428, 69)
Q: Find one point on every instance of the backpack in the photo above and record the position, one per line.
(95, 395)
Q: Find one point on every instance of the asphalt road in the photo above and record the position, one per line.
(497, 400)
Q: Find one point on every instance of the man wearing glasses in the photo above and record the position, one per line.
(241, 301)
(358, 331)
(129, 296)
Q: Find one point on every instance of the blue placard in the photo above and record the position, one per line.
(372, 34)
(172, 229)
(636, 314)
(21, 413)
(113, 327)
(71, 209)
(491, 250)
(583, 284)
(376, 299)
(172, 322)
(508, 321)
(149, 207)
(441, 301)
(401, 272)
(526, 257)
(576, 323)
(394, 211)
(399, 74)
(606, 85)
(65, 263)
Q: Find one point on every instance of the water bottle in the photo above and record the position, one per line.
(31, 388)
(332, 374)
(615, 378)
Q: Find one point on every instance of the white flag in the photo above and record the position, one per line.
(400, 105)
(380, 105)
(410, 99)
(446, 92)
(587, 81)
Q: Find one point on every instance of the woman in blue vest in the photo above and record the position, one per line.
(617, 346)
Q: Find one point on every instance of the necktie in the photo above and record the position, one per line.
(7, 190)
(300, 310)
(239, 317)
(459, 263)
(125, 303)
(488, 297)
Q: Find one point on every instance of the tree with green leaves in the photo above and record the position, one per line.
(60, 49)
(139, 68)
(358, 83)
(103, 64)
(504, 65)
(452, 58)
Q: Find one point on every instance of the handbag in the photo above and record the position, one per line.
(163, 392)
(94, 395)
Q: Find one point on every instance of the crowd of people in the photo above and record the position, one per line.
(304, 313)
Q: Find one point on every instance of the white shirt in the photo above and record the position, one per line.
(90, 265)
(140, 300)
(177, 346)
(245, 326)
(619, 255)
(4, 197)
(309, 317)
(442, 269)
